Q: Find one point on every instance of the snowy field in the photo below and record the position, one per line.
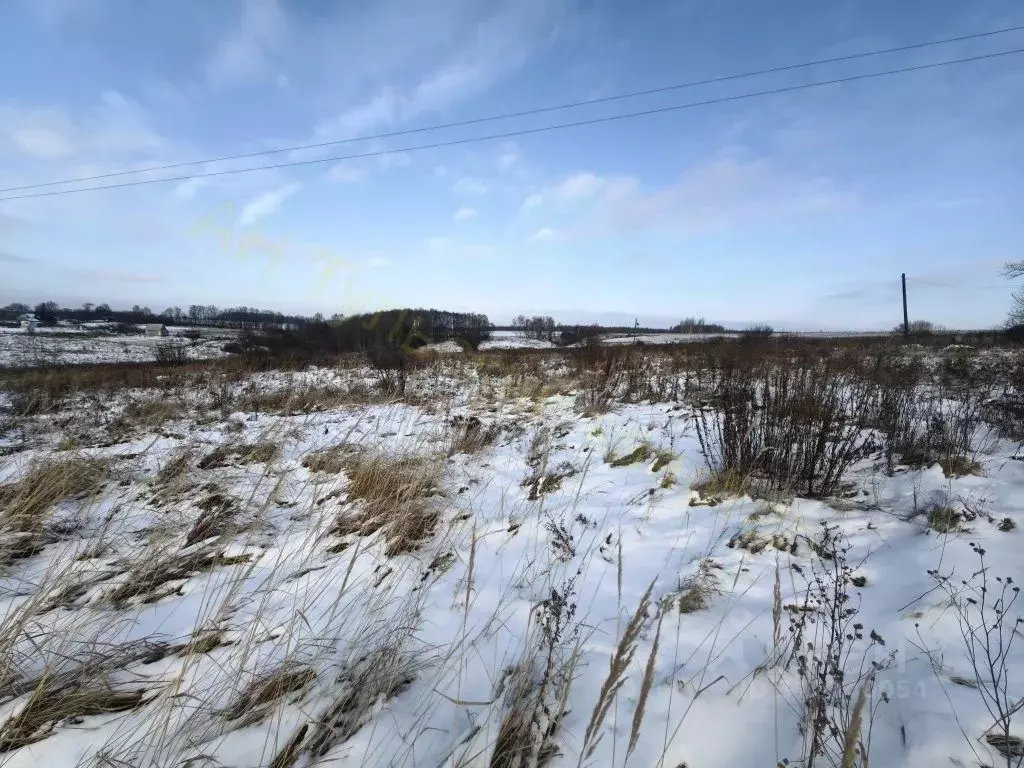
(20, 349)
(530, 563)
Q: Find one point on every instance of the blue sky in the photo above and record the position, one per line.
(799, 209)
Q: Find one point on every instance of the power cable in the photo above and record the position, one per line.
(521, 132)
(525, 113)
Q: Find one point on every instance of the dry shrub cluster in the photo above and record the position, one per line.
(792, 429)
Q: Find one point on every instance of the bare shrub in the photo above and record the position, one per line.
(785, 427)
(392, 367)
(604, 371)
(170, 353)
(836, 665)
(538, 693)
(989, 620)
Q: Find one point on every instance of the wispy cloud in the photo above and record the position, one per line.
(42, 143)
(582, 187)
(461, 49)
(14, 258)
(543, 235)
(245, 52)
(508, 156)
(115, 275)
(266, 204)
(469, 185)
(346, 172)
(464, 214)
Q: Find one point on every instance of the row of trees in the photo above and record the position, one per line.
(251, 318)
(537, 327)
(394, 331)
(697, 325)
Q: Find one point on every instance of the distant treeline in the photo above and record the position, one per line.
(50, 312)
(393, 329)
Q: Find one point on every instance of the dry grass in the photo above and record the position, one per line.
(721, 485)
(52, 702)
(392, 495)
(330, 461)
(147, 413)
(150, 578)
(378, 677)
(960, 466)
(470, 435)
(256, 700)
(24, 504)
(695, 592)
(307, 399)
(642, 452)
(264, 451)
(618, 667)
(944, 519)
(172, 478)
(217, 513)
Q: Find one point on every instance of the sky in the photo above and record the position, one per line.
(799, 209)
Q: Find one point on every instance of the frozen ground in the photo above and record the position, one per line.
(46, 349)
(224, 585)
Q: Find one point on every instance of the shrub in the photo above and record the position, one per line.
(836, 661)
(785, 428)
(170, 354)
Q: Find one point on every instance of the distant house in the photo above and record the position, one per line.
(155, 329)
(28, 322)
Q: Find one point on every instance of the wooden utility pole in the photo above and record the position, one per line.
(906, 321)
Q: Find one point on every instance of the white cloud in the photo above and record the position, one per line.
(543, 235)
(379, 262)
(187, 189)
(459, 50)
(381, 110)
(464, 213)
(266, 204)
(508, 156)
(438, 243)
(245, 53)
(440, 170)
(394, 160)
(725, 193)
(347, 173)
(41, 143)
(533, 201)
(582, 187)
(469, 185)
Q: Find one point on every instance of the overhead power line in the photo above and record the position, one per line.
(519, 132)
(524, 113)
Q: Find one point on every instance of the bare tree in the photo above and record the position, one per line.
(1013, 270)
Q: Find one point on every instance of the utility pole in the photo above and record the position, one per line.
(906, 321)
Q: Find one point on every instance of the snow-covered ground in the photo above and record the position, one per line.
(44, 349)
(216, 588)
